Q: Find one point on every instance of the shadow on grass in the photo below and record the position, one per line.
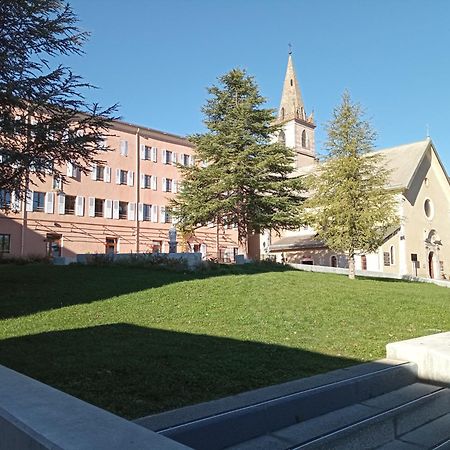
(28, 289)
(134, 371)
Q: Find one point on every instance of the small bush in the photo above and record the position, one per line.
(22, 260)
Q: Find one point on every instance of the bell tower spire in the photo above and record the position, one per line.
(297, 128)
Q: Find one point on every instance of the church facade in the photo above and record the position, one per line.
(420, 246)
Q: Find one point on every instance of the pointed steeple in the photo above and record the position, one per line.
(291, 106)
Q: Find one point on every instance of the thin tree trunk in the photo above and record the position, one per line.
(217, 239)
(351, 267)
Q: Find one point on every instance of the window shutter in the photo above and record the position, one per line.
(94, 172)
(70, 170)
(130, 178)
(162, 214)
(124, 148)
(154, 181)
(131, 210)
(174, 158)
(107, 174)
(108, 209)
(61, 204)
(164, 185)
(143, 181)
(15, 202)
(174, 186)
(191, 160)
(115, 209)
(79, 205)
(154, 213)
(140, 211)
(164, 156)
(49, 202)
(203, 250)
(117, 176)
(29, 201)
(154, 154)
(91, 206)
(143, 151)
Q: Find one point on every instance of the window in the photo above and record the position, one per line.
(282, 113)
(147, 181)
(57, 183)
(292, 83)
(363, 262)
(124, 148)
(110, 245)
(38, 201)
(333, 261)
(123, 210)
(5, 243)
(99, 206)
(167, 186)
(156, 246)
(304, 141)
(100, 175)
(123, 177)
(387, 259)
(185, 160)
(5, 199)
(70, 204)
(391, 252)
(167, 157)
(428, 208)
(147, 212)
(53, 241)
(146, 153)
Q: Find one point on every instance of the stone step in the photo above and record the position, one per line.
(381, 418)
(253, 421)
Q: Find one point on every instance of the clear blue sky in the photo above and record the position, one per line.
(157, 57)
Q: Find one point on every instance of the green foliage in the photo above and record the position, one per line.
(241, 177)
(45, 120)
(351, 207)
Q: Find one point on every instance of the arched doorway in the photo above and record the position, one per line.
(333, 261)
(431, 264)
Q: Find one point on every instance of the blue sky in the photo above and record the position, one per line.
(157, 57)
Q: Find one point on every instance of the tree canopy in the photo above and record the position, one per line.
(241, 177)
(45, 120)
(351, 207)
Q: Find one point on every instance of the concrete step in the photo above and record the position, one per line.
(365, 425)
(263, 419)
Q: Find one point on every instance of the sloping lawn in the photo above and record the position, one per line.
(137, 341)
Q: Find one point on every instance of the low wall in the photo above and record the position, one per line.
(367, 273)
(192, 260)
(35, 416)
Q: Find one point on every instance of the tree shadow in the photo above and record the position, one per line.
(134, 371)
(32, 288)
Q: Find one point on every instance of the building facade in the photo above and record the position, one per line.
(121, 206)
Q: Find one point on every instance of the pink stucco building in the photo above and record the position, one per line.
(120, 206)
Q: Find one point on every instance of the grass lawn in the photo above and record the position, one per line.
(137, 341)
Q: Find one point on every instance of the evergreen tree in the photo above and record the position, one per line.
(45, 121)
(350, 206)
(241, 177)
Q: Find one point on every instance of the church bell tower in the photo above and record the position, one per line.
(297, 128)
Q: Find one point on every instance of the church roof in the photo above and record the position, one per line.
(403, 162)
(296, 242)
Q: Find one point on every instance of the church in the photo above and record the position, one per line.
(419, 246)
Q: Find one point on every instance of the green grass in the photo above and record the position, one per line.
(137, 341)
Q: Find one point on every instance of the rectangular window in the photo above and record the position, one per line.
(168, 185)
(38, 201)
(110, 245)
(147, 181)
(69, 207)
(124, 148)
(186, 160)
(147, 212)
(99, 207)
(387, 258)
(5, 199)
(123, 177)
(157, 247)
(167, 157)
(123, 210)
(57, 183)
(100, 175)
(147, 153)
(5, 243)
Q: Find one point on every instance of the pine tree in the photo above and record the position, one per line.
(45, 121)
(241, 176)
(350, 206)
